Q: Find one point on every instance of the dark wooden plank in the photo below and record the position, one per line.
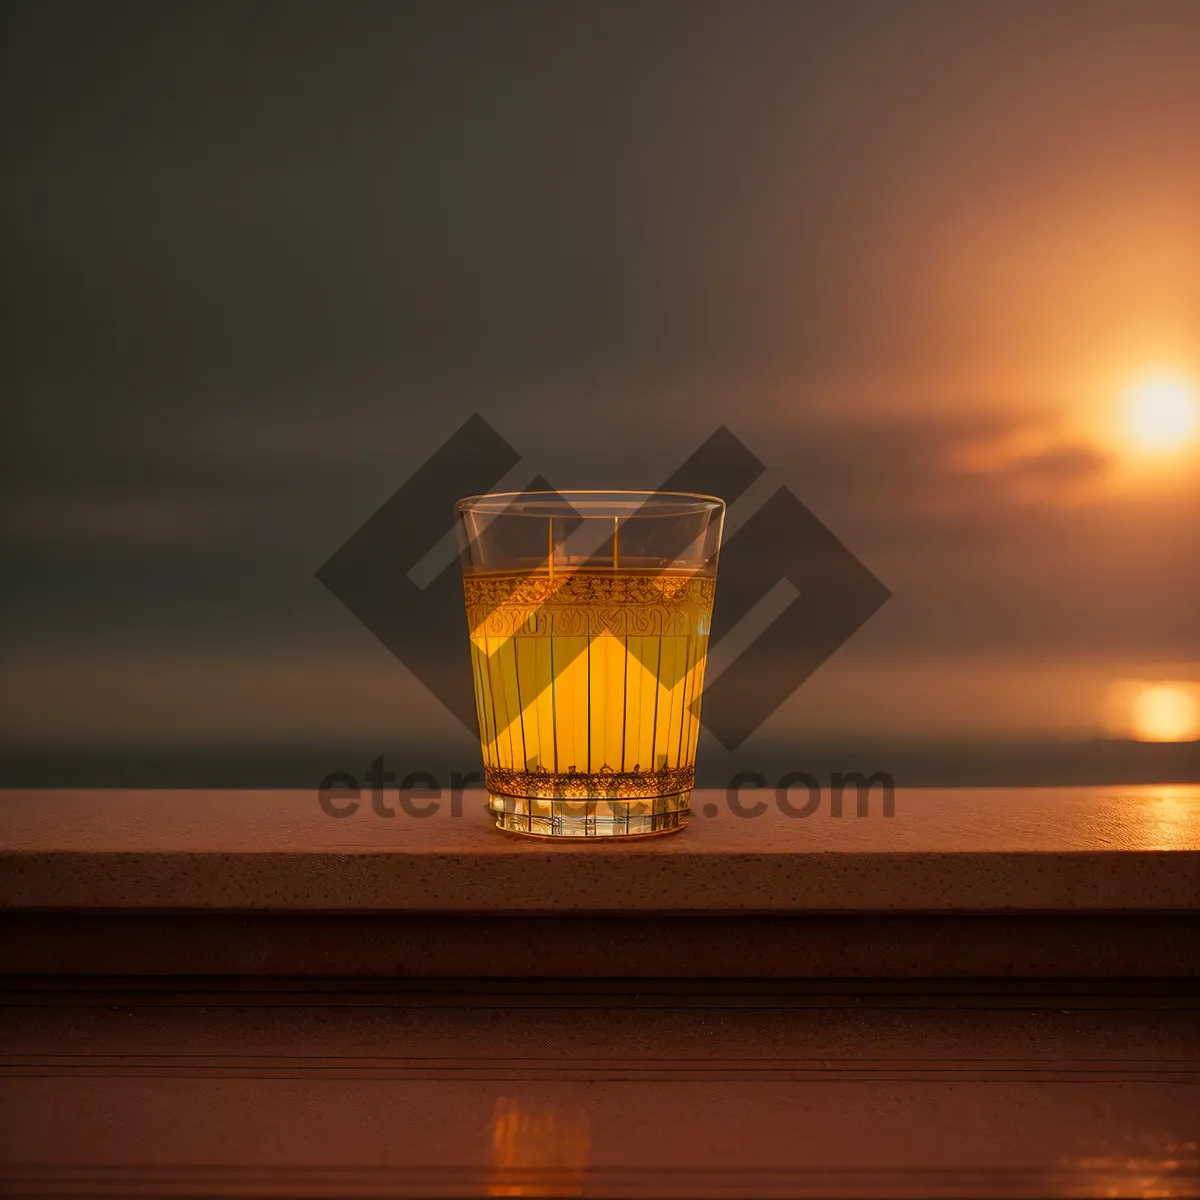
(671, 946)
(194, 1091)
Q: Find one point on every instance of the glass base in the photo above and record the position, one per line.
(594, 819)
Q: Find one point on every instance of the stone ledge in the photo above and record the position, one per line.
(1050, 851)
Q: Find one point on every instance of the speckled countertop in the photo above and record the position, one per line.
(1028, 850)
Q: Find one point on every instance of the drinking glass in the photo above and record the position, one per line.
(588, 615)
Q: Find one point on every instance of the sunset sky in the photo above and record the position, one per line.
(936, 264)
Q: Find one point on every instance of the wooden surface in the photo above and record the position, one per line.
(203, 1089)
(658, 1081)
(1060, 851)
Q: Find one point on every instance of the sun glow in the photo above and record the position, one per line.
(1162, 412)
(1165, 712)
(1153, 710)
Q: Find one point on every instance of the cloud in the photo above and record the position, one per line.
(988, 529)
(1034, 463)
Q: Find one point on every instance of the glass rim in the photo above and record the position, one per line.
(577, 503)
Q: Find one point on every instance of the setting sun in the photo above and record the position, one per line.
(1153, 710)
(1162, 412)
(1166, 713)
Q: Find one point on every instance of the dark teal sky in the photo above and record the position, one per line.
(261, 260)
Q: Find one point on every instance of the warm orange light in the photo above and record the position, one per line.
(1166, 712)
(538, 1151)
(1162, 412)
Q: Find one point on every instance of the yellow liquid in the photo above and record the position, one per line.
(589, 683)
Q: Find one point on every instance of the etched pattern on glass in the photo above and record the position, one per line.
(587, 686)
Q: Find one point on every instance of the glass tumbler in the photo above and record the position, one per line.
(588, 615)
